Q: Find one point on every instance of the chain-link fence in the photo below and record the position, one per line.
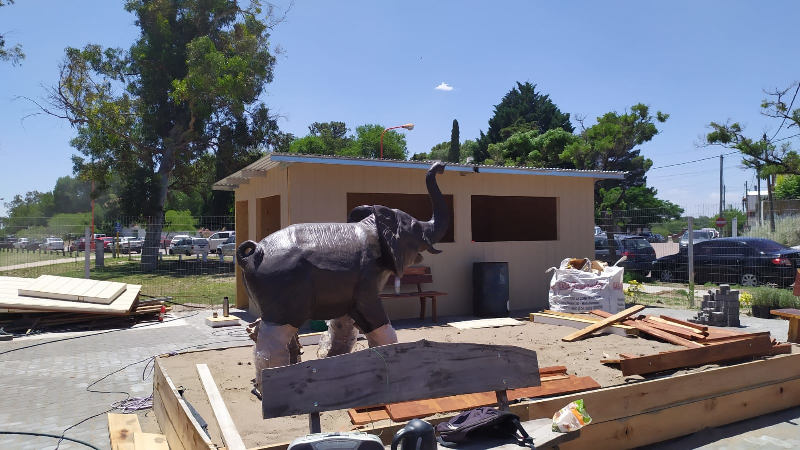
(664, 266)
(193, 256)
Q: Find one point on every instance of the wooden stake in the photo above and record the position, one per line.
(602, 324)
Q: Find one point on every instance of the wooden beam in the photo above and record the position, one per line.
(602, 324)
(682, 419)
(173, 415)
(150, 441)
(672, 329)
(230, 435)
(121, 428)
(735, 337)
(756, 346)
(655, 332)
(696, 326)
(620, 330)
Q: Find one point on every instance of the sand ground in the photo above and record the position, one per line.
(233, 371)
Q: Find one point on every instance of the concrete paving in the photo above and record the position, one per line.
(44, 380)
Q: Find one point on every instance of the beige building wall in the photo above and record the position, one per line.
(318, 193)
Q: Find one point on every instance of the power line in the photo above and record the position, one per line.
(690, 162)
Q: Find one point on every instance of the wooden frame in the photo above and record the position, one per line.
(623, 416)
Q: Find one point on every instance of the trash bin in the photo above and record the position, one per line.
(490, 289)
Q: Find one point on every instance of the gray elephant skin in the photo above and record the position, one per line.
(325, 271)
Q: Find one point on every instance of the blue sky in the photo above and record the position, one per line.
(379, 62)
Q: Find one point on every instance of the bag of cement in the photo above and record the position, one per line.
(578, 291)
(571, 417)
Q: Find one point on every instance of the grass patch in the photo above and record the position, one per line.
(191, 280)
(10, 257)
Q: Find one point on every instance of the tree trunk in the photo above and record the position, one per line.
(155, 223)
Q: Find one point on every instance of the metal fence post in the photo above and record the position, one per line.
(86, 246)
(734, 227)
(690, 260)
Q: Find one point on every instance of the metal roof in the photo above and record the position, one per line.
(273, 160)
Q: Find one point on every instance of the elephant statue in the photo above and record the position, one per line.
(335, 271)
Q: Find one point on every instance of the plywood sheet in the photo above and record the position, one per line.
(10, 298)
(485, 323)
(73, 289)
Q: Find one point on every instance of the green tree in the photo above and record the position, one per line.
(529, 148)
(522, 109)
(787, 187)
(333, 135)
(32, 209)
(197, 68)
(10, 53)
(366, 143)
(179, 221)
(454, 153)
(71, 195)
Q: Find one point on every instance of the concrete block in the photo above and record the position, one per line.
(222, 321)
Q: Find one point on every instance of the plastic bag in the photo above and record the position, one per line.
(571, 417)
(578, 291)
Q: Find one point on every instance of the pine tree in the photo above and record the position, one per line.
(455, 145)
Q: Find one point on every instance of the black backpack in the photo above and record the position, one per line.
(482, 423)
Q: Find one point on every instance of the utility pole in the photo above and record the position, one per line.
(721, 193)
(769, 190)
(758, 195)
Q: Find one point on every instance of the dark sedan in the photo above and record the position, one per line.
(745, 261)
(639, 254)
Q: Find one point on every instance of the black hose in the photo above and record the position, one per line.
(54, 436)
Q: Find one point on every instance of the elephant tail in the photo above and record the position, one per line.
(249, 255)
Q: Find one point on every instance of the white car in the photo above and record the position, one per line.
(228, 248)
(219, 238)
(52, 243)
(21, 243)
(191, 246)
(175, 240)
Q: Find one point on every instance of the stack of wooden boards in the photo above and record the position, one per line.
(125, 433)
(704, 344)
(554, 381)
(30, 303)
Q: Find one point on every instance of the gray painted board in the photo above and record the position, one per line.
(395, 373)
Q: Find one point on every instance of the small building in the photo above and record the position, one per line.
(531, 218)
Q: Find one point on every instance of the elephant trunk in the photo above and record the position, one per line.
(248, 256)
(440, 221)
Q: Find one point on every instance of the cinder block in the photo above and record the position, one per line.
(725, 288)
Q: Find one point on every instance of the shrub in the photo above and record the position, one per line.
(745, 300)
(773, 297)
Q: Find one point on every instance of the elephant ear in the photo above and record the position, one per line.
(360, 213)
(387, 221)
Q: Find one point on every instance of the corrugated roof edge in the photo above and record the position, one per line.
(272, 160)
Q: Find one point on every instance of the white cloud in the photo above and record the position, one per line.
(444, 87)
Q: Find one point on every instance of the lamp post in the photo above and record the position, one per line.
(408, 126)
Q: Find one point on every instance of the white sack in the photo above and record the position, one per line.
(576, 291)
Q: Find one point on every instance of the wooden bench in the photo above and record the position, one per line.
(794, 322)
(415, 276)
(404, 372)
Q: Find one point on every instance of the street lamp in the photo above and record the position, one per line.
(408, 126)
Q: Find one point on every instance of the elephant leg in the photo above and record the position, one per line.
(272, 347)
(342, 336)
(382, 335)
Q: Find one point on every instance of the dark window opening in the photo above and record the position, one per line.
(418, 205)
(501, 218)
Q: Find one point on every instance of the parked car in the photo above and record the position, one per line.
(21, 243)
(191, 246)
(108, 243)
(128, 244)
(598, 231)
(52, 243)
(697, 236)
(228, 248)
(653, 238)
(741, 260)
(7, 241)
(33, 244)
(175, 239)
(601, 248)
(638, 252)
(80, 244)
(219, 238)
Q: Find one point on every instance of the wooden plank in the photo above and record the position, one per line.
(756, 346)
(485, 323)
(602, 324)
(552, 370)
(619, 330)
(121, 428)
(786, 312)
(781, 349)
(150, 441)
(735, 337)
(120, 306)
(696, 326)
(176, 421)
(360, 416)
(230, 434)
(73, 289)
(663, 335)
(679, 326)
(675, 330)
(681, 419)
(394, 373)
(626, 400)
(421, 408)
